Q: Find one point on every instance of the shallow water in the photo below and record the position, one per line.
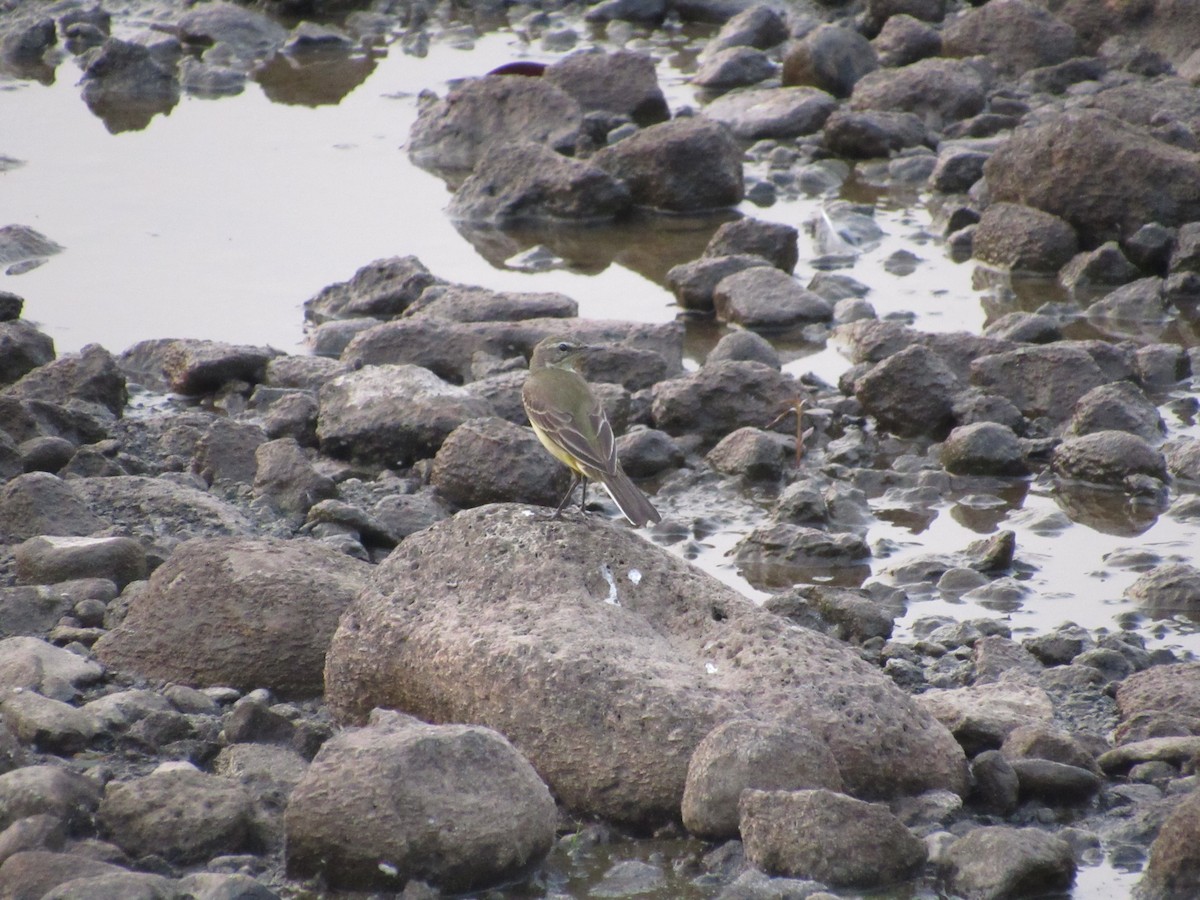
(220, 218)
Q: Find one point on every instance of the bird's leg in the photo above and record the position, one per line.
(575, 479)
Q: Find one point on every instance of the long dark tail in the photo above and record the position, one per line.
(630, 499)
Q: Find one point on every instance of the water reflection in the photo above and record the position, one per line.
(647, 244)
(1108, 510)
(318, 77)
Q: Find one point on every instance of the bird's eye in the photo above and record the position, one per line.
(564, 346)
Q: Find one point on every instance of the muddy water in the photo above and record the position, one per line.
(220, 218)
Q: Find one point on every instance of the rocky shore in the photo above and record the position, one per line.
(301, 626)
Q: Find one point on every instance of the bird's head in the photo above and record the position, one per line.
(558, 351)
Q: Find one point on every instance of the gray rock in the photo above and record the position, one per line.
(51, 559)
(684, 165)
(1015, 35)
(391, 413)
(1117, 406)
(1047, 742)
(39, 503)
(1040, 380)
(37, 832)
(644, 452)
(225, 454)
(217, 886)
(904, 39)
(871, 134)
(285, 475)
(115, 886)
(466, 303)
(494, 461)
(938, 90)
(779, 113)
(47, 790)
(693, 282)
(999, 862)
(768, 299)
(995, 788)
(179, 813)
(28, 663)
(117, 712)
(24, 42)
(48, 725)
(774, 241)
(982, 716)
(34, 873)
(22, 349)
(1023, 239)
(983, 448)
(1162, 365)
(849, 615)
(1106, 265)
(647, 11)
(758, 26)
(720, 398)
(774, 554)
(91, 376)
(745, 346)
(1054, 782)
(1131, 307)
(733, 67)
(1168, 589)
(1171, 872)
(1025, 328)
(879, 12)
(249, 34)
(1183, 458)
(958, 167)
(381, 289)
(827, 836)
(622, 83)
(32, 610)
(160, 513)
(1107, 457)
(241, 612)
(1150, 248)
(453, 805)
(1173, 689)
(292, 415)
(528, 182)
(911, 392)
(631, 766)
(831, 58)
(1148, 181)
(452, 134)
(744, 753)
(751, 452)
(126, 85)
(193, 367)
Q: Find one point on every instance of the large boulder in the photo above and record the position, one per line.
(606, 661)
(451, 805)
(684, 165)
(773, 112)
(938, 90)
(831, 58)
(451, 134)
(621, 83)
(1042, 380)
(392, 413)
(1015, 35)
(1055, 166)
(722, 397)
(381, 289)
(527, 181)
(242, 612)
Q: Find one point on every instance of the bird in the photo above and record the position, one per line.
(570, 422)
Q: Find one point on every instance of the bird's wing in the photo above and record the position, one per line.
(581, 427)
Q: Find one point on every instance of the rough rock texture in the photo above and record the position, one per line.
(382, 288)
(493, 461)
(392, 413)
(685, 165)
(1023, 239)
(773, 112)
(452, 133)
(451, 805)
(1168, 589)
(911, 392)
(938, 90)
(831, 58)
(1055, 167)
(1173, 870)
(1015, 34)
(613, 673)
(741, 754)
(721, 398)
(527, 181)
(1003, 863)
(1171, 689)
(622, 83)
(181, 814)
(1108, 457)
(1041, 380)
(828, 837)
(243, 612)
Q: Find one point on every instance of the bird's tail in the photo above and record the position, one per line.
(630, 500)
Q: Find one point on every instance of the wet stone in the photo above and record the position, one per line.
(1000, 861)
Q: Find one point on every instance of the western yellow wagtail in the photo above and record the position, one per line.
(570, 422)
